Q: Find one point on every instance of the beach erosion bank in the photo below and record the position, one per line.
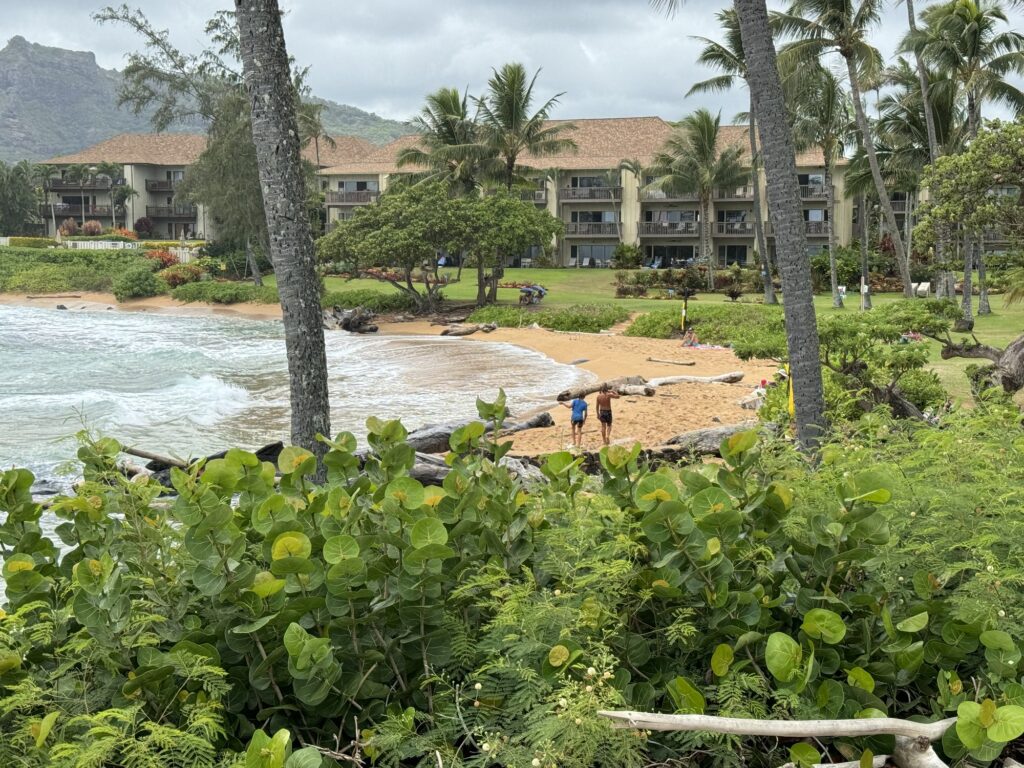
(648, 420)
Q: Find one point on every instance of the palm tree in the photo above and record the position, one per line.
(963, 38)
(449, 147)
(312, 129)
(275, 133)
(692, 163)
(728, 58)
(509, 130)
(842, 26)
(779, 158)
(822, 119)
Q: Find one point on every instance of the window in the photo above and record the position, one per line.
(592, 255)
(733, 215)
(815, 214)
(587, 181)
(732, 254)
(358, 186)
(816, 180)
(662, 256)
(175, 175)
(671, 215)
(607, 217)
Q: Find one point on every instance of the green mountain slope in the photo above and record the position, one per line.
(55, 101)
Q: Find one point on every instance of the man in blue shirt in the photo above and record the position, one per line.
(578, 407)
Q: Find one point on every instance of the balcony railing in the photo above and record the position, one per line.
(898, 206)
(669, 228)
(171, 211)
(813, 191)
(590, 193)
(70, 209)
(539, 196)
(816, 228)
(98, 182)
(592, 228)
(735, 228)
(740, 193)
(356, 197)
(661, 194)
(162, 185)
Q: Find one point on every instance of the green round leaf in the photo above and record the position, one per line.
(558, 655)
(721, 660)
(294, 459)
(338, 548)
(915, 623)
(429, 530)
(804, 755)
(783, 656)
(653, 490)
(824, 625)
(407, 492)
(265, 584)
(861, 678)
(997, 640)
(1008, 724)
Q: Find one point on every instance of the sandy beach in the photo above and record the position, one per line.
(650, 420)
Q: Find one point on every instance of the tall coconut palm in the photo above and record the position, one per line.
(783, 187)
(727, 58)
(275, 134)
(842, 26)
(821, 110)
(449, 147)
(510, 130)
(691, 162)
(964, 38)
(312, 129)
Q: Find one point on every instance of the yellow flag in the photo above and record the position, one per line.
(792, 402)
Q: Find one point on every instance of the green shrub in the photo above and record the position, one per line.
(212, 292)
(138, 283)
(376, 301)
(579, 318)
(752, 330)
(67, 269)
(180, 274)
(32, 242)
(113, 238)
(92, 228)
(54, 278)
(627, 256)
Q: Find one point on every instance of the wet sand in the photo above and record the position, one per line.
(650, 420)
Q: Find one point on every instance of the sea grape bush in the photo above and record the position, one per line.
(484, 621)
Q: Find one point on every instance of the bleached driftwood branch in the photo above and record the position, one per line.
(794, 729)
(725, 378)
(913, 740)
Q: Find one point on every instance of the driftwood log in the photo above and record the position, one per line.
(671, 362)
(434, 438)
(724, 378)
(356, 320)
(708, 440)
(589, 389)
(466, 330)
(913, 740)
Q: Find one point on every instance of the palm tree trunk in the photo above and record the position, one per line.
(481, 281)
(865, 269)
(984, 308)
(968, 297)
(784, 203)
(868, 143)
(705, 241)
(922, 78)
(250, 260)
(275, 134)
(762, 244)
(837, 300)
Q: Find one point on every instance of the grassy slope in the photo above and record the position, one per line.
(595, 286)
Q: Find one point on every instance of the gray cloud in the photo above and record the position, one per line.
(610, 57)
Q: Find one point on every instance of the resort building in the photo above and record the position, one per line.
(603, 204)
(152, 166)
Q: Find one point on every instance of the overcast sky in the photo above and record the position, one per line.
(610, 57)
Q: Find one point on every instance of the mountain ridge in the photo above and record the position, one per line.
(55, 101)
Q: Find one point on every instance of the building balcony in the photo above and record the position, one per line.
(63, 185)
(591, 229)
(648, 195)
(740, 193)
(813, 192)
(811, 229)
(162, 185)
(171, 211)
(587, 194)
(898, 206)
(735, 228)
(539, 196)
(64, 210)
(669, 229)
(358, 197)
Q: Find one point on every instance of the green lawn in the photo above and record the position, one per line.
(597, 286)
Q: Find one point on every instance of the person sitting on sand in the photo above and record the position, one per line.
(690, 338)
(604, 411)
(579, 418)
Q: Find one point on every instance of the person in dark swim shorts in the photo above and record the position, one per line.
(604, 411)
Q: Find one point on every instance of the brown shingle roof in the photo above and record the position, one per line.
(602, 144)
(346, 149)
(139, 148)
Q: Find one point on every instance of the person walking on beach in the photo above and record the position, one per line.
(578, 406)
(604, 411)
